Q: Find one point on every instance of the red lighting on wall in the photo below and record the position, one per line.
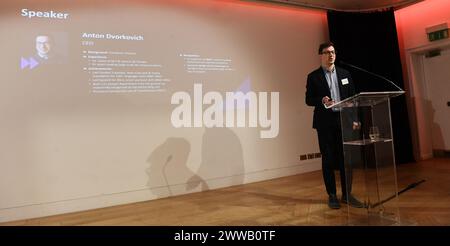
(413, 20)
(425, 11)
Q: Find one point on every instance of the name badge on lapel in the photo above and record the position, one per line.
(344, 81)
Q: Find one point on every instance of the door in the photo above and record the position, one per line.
(437, 80)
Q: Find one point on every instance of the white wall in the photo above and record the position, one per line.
(411, 24)
(64, 148)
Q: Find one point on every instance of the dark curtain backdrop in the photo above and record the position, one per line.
(369, 41)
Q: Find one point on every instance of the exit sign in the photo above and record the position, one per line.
(438, 35)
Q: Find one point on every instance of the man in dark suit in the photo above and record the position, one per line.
(326, 85)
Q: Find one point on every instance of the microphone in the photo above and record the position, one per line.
(373, 74)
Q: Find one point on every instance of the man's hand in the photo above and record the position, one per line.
(356, 125)
(327, 101)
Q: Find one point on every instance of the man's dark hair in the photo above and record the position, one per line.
(324, 46)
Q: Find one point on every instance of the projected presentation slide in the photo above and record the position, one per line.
(152, 50)
(105, 102)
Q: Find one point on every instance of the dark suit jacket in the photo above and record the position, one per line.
(317, 88)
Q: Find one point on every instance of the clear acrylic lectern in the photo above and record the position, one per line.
(369, 157)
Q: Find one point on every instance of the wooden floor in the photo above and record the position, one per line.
(294, 200)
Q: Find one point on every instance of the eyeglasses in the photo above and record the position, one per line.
(330, 52)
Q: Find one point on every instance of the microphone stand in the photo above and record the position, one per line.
(373, 74)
